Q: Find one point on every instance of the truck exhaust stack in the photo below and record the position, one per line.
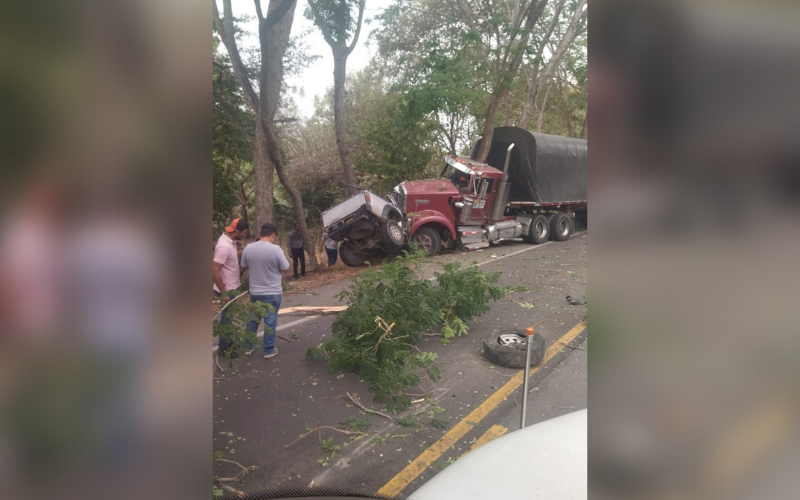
(499, 206)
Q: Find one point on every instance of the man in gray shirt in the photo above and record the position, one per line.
(265, 261)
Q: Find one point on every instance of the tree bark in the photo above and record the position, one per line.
(509, 119)
(540, 111)
(530, 100)
(488, 124)
(339, 76)
(263, 180)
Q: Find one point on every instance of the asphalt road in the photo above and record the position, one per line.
(261, 406)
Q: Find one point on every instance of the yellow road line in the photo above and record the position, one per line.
(437, 449)
(493, 433)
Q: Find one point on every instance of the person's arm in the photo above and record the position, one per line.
(220, 257)
(217, 273)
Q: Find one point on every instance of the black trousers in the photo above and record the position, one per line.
(301, 255)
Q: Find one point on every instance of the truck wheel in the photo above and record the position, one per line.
(360, 230)
(539, 231)
(428, 239)
(507, 348)
(391, 235)
(350, 255)
(560, 227)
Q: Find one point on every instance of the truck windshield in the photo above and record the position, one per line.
(457, 177)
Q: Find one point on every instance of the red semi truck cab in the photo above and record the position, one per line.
(438, 205)
(532, 190)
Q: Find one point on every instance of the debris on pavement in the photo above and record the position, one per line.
(575, 301)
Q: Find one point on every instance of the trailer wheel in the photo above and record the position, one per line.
(560, 227)
(351, 256)
(392, 236)
(428, 239)
(539, 231)
(508, 348)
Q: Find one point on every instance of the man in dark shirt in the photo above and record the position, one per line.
(296, 249)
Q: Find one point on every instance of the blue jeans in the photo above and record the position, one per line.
(270, 320)
(332, 254)
(223, 320)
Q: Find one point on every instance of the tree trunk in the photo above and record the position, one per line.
(263, 181)
(511, 62)
(540, 111)
(242, 195)
(509, 109)
(530, 99)
(294, 194)
(274, 33)
(488, 124)
(339, 76)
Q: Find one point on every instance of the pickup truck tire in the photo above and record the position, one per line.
(351, 256)
(428, 239)
(512, 354)
(392, 236)
(560, 227)
(360, 230)
(539, 232)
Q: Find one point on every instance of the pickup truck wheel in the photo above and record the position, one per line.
(508, 348)
(560, 227)
(428, 239)
(539, 231)
(350, 255)
(391, 235)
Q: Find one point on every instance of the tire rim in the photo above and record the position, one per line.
(563, 227)
(396, 234)
(541, 229)
(424, 241)
(511, 339)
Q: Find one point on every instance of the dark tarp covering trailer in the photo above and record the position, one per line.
(543, 168)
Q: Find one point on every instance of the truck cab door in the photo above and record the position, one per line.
(481, 196)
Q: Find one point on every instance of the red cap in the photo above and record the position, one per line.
(237, 225)
(529, 331)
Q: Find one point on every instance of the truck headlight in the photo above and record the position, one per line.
(459, 204)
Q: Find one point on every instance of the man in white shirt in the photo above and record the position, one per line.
(265, 260)
(225, 269)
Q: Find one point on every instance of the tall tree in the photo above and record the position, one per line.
(492, 39)
(273, 31)
(336, 21)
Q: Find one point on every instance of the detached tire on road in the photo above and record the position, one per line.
(560, 227)
(350, 255)
(502, 349)
(391, 236)
(539, 231)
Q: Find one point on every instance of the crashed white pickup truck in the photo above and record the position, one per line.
(366, 225)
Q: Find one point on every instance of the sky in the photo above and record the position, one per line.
(318, 77)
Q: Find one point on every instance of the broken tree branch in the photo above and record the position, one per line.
(324, 427)
(354, 399)
(229, 489)
(245, 470)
